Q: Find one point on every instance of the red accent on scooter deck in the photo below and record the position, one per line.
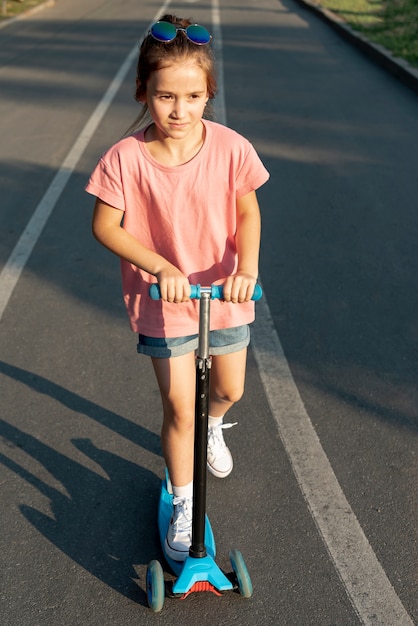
(201, 586)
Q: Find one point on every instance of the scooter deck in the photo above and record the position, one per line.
(165, 511)
(193, 570)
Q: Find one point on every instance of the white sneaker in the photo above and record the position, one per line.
(179, 534)
(219, 460)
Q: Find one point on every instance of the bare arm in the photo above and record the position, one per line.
(240, 287)
(107, 230)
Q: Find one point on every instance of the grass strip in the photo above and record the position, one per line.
(14, 8)
(390, 23)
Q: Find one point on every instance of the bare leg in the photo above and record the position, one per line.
(176, 380)
(227, 386)
(227, 381)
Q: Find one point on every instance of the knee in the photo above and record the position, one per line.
(179, 420)
(229, 396)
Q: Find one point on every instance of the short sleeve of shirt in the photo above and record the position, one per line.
(106, 181)
(252, 174)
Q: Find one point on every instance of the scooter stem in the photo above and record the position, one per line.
(203, 363)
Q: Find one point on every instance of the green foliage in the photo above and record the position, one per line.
(12, 8)
(391, 23)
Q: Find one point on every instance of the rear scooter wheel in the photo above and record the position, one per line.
(155, 586)
(241, 572)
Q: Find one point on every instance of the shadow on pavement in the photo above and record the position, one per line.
(96, 520)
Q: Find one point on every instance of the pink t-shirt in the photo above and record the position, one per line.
(185, 213)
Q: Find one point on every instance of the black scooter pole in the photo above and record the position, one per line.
(203, 363)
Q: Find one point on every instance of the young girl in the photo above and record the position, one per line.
(175, 200)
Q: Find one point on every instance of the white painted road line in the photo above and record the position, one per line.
(371, 593)
(219, 102)
(16, 262)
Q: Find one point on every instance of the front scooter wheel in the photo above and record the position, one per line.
(245, 585)
(155, 586)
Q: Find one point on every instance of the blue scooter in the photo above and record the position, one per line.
(199, 572)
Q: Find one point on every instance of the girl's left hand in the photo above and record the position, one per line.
(239, 288)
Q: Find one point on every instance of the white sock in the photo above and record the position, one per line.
(186, 491)
(215, 421)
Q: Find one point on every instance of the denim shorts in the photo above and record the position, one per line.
(222, 341)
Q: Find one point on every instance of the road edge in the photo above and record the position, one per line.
(396, 66)
(28, 13)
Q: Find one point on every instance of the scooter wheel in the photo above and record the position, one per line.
(241, 572)
(155, 586)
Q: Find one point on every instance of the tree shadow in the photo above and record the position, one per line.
(97, 521)
(106, 524)
(125, 428)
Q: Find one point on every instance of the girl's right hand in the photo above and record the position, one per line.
(174, 286)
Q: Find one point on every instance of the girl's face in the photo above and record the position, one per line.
(176, 97)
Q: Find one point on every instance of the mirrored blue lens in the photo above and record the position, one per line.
(198, 34)
(166, 32)
(163, 31)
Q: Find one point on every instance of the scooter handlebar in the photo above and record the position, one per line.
(216, 292)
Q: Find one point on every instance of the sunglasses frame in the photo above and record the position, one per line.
(182, 29)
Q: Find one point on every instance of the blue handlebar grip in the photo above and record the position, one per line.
(217, 292)
(154, 292)
(258, 293)
(195, 292)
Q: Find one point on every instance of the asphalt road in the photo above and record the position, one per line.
(80, 415)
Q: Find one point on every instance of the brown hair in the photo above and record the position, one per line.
(154, 55)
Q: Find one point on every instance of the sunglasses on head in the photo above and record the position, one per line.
(166, 32)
